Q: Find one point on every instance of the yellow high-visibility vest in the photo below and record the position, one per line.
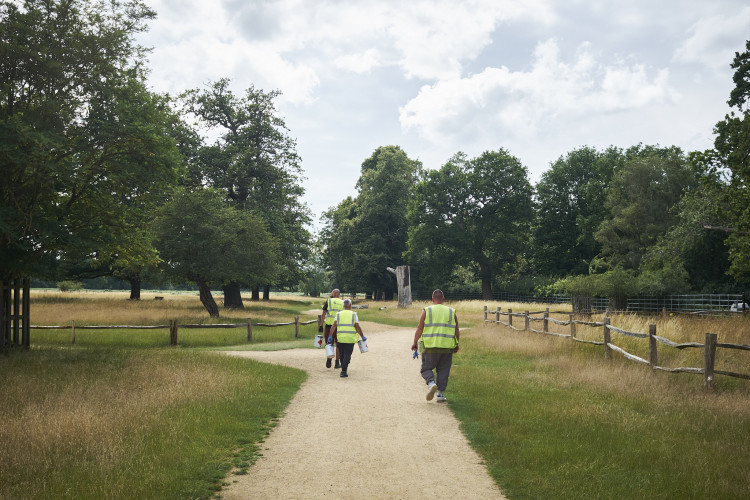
(439, 327)
(346, 332)
(334, 305)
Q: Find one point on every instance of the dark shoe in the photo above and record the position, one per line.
(343, 374)
(338, 365)
(328, 362)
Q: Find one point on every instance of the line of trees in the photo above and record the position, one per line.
(617, 222)
(103, 177)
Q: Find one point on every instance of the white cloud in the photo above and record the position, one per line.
(714, 40)
(520, 103)
(360, 63)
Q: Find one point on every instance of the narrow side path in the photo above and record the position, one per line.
(371, 435)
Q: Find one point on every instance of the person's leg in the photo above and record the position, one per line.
(443, 370)
(325, 339)
(346, 356)
(429, 362)
(338, 356)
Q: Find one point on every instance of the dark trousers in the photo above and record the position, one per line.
(441, 363)
(345, 351)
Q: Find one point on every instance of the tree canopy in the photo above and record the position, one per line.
(471, 212)
(84, 143)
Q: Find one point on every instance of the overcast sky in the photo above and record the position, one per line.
(538, 78)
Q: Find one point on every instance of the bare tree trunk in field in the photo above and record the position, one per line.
(207, 299)
(135, 288)
(404, 284)
(256, 294)
(233, 296)
(267, 292)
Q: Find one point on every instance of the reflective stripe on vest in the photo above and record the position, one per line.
(346, 332)
(334, 305)
(439, 327)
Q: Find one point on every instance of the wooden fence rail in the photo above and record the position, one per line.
(709, 346)
(174, 327)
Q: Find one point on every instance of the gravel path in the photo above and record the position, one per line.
(365, 436)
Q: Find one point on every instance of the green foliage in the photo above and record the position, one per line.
(639, 199)
(206, 241)
(255, 163)
(616, 284)
(69, 286)
(85, 143)
(365, 235)
(473, 213)
(688, 256)
(732, 145)
(570, 207)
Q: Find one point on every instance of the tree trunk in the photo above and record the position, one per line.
(135, 288)
(233, 296)
(404, 285)
(207, 299)
(485, 273)
(267, 292)
(388, 294)
(256, 294)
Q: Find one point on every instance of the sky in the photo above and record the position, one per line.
(538, 78)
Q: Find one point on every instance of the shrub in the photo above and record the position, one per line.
(69, 286)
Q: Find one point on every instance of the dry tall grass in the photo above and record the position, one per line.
(583, 364)
(114, 308)
(100, 414)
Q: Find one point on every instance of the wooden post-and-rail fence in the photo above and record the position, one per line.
(709, 346)
(174, 327)
(14, 313)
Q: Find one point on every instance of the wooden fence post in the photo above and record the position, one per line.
(173, 332)
(710, 357)
(526, 321)
(572, 327)
(607, 339)
(652, 356)
(16, 311)
(546, 321)
(510, 317)
(485, 314)
(26, 307)
(249, 330)
(73, 330)
(497, 315)
(296, 326)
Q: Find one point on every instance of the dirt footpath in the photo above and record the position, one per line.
(371, 435)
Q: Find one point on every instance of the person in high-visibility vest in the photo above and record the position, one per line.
(332, 305)
(438, 332)
(345, 330)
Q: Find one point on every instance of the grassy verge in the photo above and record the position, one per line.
(123, 423)
(119, 416)
(554, 421)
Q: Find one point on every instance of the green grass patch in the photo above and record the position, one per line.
(124, 423)
(544, 435)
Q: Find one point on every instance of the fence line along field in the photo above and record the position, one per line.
(648, 353)
(109, 318)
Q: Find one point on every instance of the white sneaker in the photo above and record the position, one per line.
(431, 390)
(441, 397)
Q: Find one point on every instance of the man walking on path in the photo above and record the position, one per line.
(438, 331)
(345, 330)
(333, 305)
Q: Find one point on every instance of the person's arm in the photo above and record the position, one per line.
(418, 333)
(458, 333)
(333, 330)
